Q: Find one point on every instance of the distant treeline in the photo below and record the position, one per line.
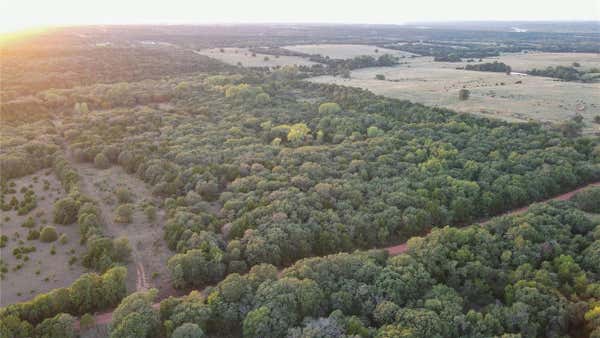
(568, 73)
(495, 66)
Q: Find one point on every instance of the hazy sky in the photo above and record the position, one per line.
(16, 14)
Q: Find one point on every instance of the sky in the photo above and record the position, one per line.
(20, 14)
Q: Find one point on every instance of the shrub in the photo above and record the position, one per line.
(63, 239)
(101, 161)
(87, 321)
(65, 211)
(150, 212)
(33, 235)
(48, 234)
(123, 195)
(329, 108)
(124, 213)
(380, 77)
(463, 94)
(29, 223)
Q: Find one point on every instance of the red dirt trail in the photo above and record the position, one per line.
(106, 317)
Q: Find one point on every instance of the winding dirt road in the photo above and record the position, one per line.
(106, 317)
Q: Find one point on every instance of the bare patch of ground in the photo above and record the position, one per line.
(42, 271)
(148, 264)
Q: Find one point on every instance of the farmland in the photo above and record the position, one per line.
(497, 95)
(344, 51)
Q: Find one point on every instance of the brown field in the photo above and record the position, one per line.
(242, 55)
(492, 94)
(43, 271)
(345, 51)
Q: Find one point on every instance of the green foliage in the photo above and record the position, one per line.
(87, 321)
(188, 330)
(135, 317)
(88, 293)
(588, 200)
(329, 108)
(463, 94)
(66, 210)
(124, 213)
(59, 326)
(516, 275)
(48, 234)
(495, 66)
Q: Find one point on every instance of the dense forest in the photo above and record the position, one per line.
(258, 170)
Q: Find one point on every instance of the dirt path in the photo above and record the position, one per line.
(401, 248)
(149, 253)
(106, 317)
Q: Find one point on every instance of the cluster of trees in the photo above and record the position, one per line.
(90, 292)
(320, 169)
(344, 66)
(568, 73)
(102, 252)
(499, 67)
(442, 52)
(533, 275)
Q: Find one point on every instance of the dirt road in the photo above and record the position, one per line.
(105, 318)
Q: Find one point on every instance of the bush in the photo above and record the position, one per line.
(150, 212)
(463, 94)
(379, 77)
(29, 223)
(124, 213)
(329, 108)
(123, 195)
(101, 161)
(65, 211)
(48, 234)
(188, 330)
(64, 239)
(33, 235)
(87, 321)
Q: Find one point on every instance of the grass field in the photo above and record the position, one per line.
(492, 94)
(521, 62)
(42, 271)
(241, 55)
(345, 51)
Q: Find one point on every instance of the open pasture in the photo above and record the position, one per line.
(509, 97)
(345, 51)
(522, 62)
(237, 56)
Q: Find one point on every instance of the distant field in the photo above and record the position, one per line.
(41, 271)
(492, 94)
(345, 51)
(244, 56)
(521, 62)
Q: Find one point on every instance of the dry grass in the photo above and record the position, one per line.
(521, 62)
(25, 283)
(437, 84)
(243, 56)
(345, 51)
